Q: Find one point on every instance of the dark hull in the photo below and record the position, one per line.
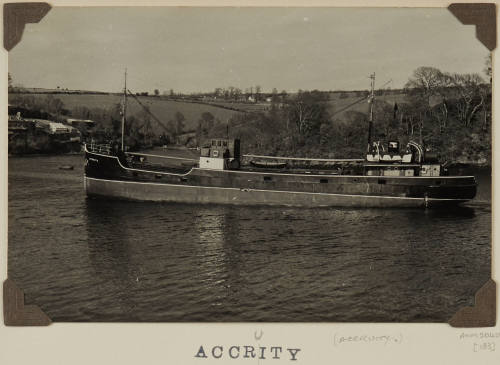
(105, 176)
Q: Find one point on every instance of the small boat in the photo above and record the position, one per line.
(66, 167)
(268, 164)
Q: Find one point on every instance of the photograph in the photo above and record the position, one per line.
(249, 164)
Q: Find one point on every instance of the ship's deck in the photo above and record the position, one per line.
(183, 165)
(180, 165)
(180, 169)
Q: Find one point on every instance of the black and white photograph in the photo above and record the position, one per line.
(238, 164)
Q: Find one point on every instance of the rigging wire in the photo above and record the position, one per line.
(350, 105)
(247, 122)
(149, 111)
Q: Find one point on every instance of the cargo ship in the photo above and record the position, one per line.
(388, 176)
(380, 180)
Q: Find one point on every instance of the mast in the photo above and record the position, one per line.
(124, 109)
(372, 101)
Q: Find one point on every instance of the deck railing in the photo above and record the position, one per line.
(347, 160)
(99, 148)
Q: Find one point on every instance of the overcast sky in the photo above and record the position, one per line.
(199, 49)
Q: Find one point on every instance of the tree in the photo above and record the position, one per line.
(426, 82)
(348, 137)
(179, 122)
(205, 125)
(81, 111)
(157, 92)
(53, 105)
(471, 95)
(171, 127)
(116, 119)
(257, 92)
(487, 67)
(308, 111)
(237, 94)
(208, 119)
(284, 95)
(10, 82)
(275, 98)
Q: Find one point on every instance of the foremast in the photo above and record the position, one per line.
(371, 100)
(124, 110)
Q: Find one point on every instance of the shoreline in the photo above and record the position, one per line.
(44, 154)
(452, 165)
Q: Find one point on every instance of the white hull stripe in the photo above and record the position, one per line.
(272, 191)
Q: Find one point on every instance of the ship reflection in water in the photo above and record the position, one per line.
(216, 263)
(95, 260)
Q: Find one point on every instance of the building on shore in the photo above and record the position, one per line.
(32, 135)
(86, 127)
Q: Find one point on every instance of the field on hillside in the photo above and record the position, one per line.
(164, 110)
(247, 107)
(335, 103)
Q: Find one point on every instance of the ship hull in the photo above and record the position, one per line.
(156, 192)
(106, 176)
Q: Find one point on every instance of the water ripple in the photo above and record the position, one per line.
(91, 260)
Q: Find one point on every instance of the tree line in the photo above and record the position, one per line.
(449, 113)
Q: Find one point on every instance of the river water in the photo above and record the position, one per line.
(93, 260)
